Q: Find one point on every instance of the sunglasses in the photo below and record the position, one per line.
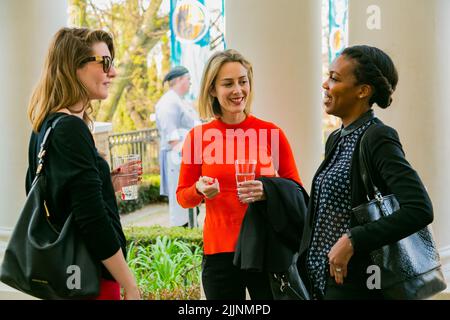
(106, 61)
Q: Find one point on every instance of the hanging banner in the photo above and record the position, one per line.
(194, 26)
(338, 27)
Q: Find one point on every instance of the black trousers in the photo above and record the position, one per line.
(224, 281)
(354, 286)
(350, 291)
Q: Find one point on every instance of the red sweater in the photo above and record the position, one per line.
(210, 150)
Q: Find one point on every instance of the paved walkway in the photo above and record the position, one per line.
(154, 214)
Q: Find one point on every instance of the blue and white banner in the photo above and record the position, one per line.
(338, 27)
(196, 30)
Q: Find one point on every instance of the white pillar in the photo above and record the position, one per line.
(441, 131)
(416, 34)
(282, 39)
(25, 33)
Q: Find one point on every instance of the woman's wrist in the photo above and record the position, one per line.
(349, 236)
(197, 189)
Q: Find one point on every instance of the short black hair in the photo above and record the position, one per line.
(175, 72)
(375, 68)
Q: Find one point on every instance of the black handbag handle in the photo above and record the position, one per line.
(44, 144)
(371, 188)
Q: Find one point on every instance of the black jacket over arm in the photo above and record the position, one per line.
(271, 230)
(391, 173)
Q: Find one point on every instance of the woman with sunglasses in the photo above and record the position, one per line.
(78, 69)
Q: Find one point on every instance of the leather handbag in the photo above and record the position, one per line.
(45, 262)
(289, 285)
(410, 268)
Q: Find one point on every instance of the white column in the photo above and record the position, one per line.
(416, 34)
(441, 130)
(25, 32)
(282, 39)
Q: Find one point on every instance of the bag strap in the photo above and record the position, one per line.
(44, 144)
(371, 188)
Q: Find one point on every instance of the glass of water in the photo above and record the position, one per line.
(245, 170)
(129, 175)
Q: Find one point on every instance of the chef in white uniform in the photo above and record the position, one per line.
(174, 118)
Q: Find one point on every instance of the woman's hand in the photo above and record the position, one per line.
(131, 293)
(338, 257)
(208, 186)
(127, 174)
(251, 191)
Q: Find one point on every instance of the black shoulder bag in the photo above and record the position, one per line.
(289, 285)
(42, 261)
(410, 268)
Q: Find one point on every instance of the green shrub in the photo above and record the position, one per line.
(148, 235)
(153, 179)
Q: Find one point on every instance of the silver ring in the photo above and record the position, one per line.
(338, 270)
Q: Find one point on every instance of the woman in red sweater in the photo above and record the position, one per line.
(208, 171)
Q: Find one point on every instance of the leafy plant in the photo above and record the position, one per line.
(153, 179)
(166, 269)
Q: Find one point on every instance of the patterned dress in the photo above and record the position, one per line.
(332, 200)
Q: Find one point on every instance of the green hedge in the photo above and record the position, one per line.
(147, 235)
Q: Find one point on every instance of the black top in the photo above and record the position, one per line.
(79, 181)
(392, 174)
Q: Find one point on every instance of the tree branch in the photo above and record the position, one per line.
(145, 39)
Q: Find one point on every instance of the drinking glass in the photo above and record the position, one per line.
(128, 175)
(245, 170)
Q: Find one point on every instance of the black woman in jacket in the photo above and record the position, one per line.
(335, 248)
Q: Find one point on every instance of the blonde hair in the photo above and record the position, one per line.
(209, 106)
(59, 86)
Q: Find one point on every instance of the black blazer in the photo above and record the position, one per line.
(271, 230)
(391, 173)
